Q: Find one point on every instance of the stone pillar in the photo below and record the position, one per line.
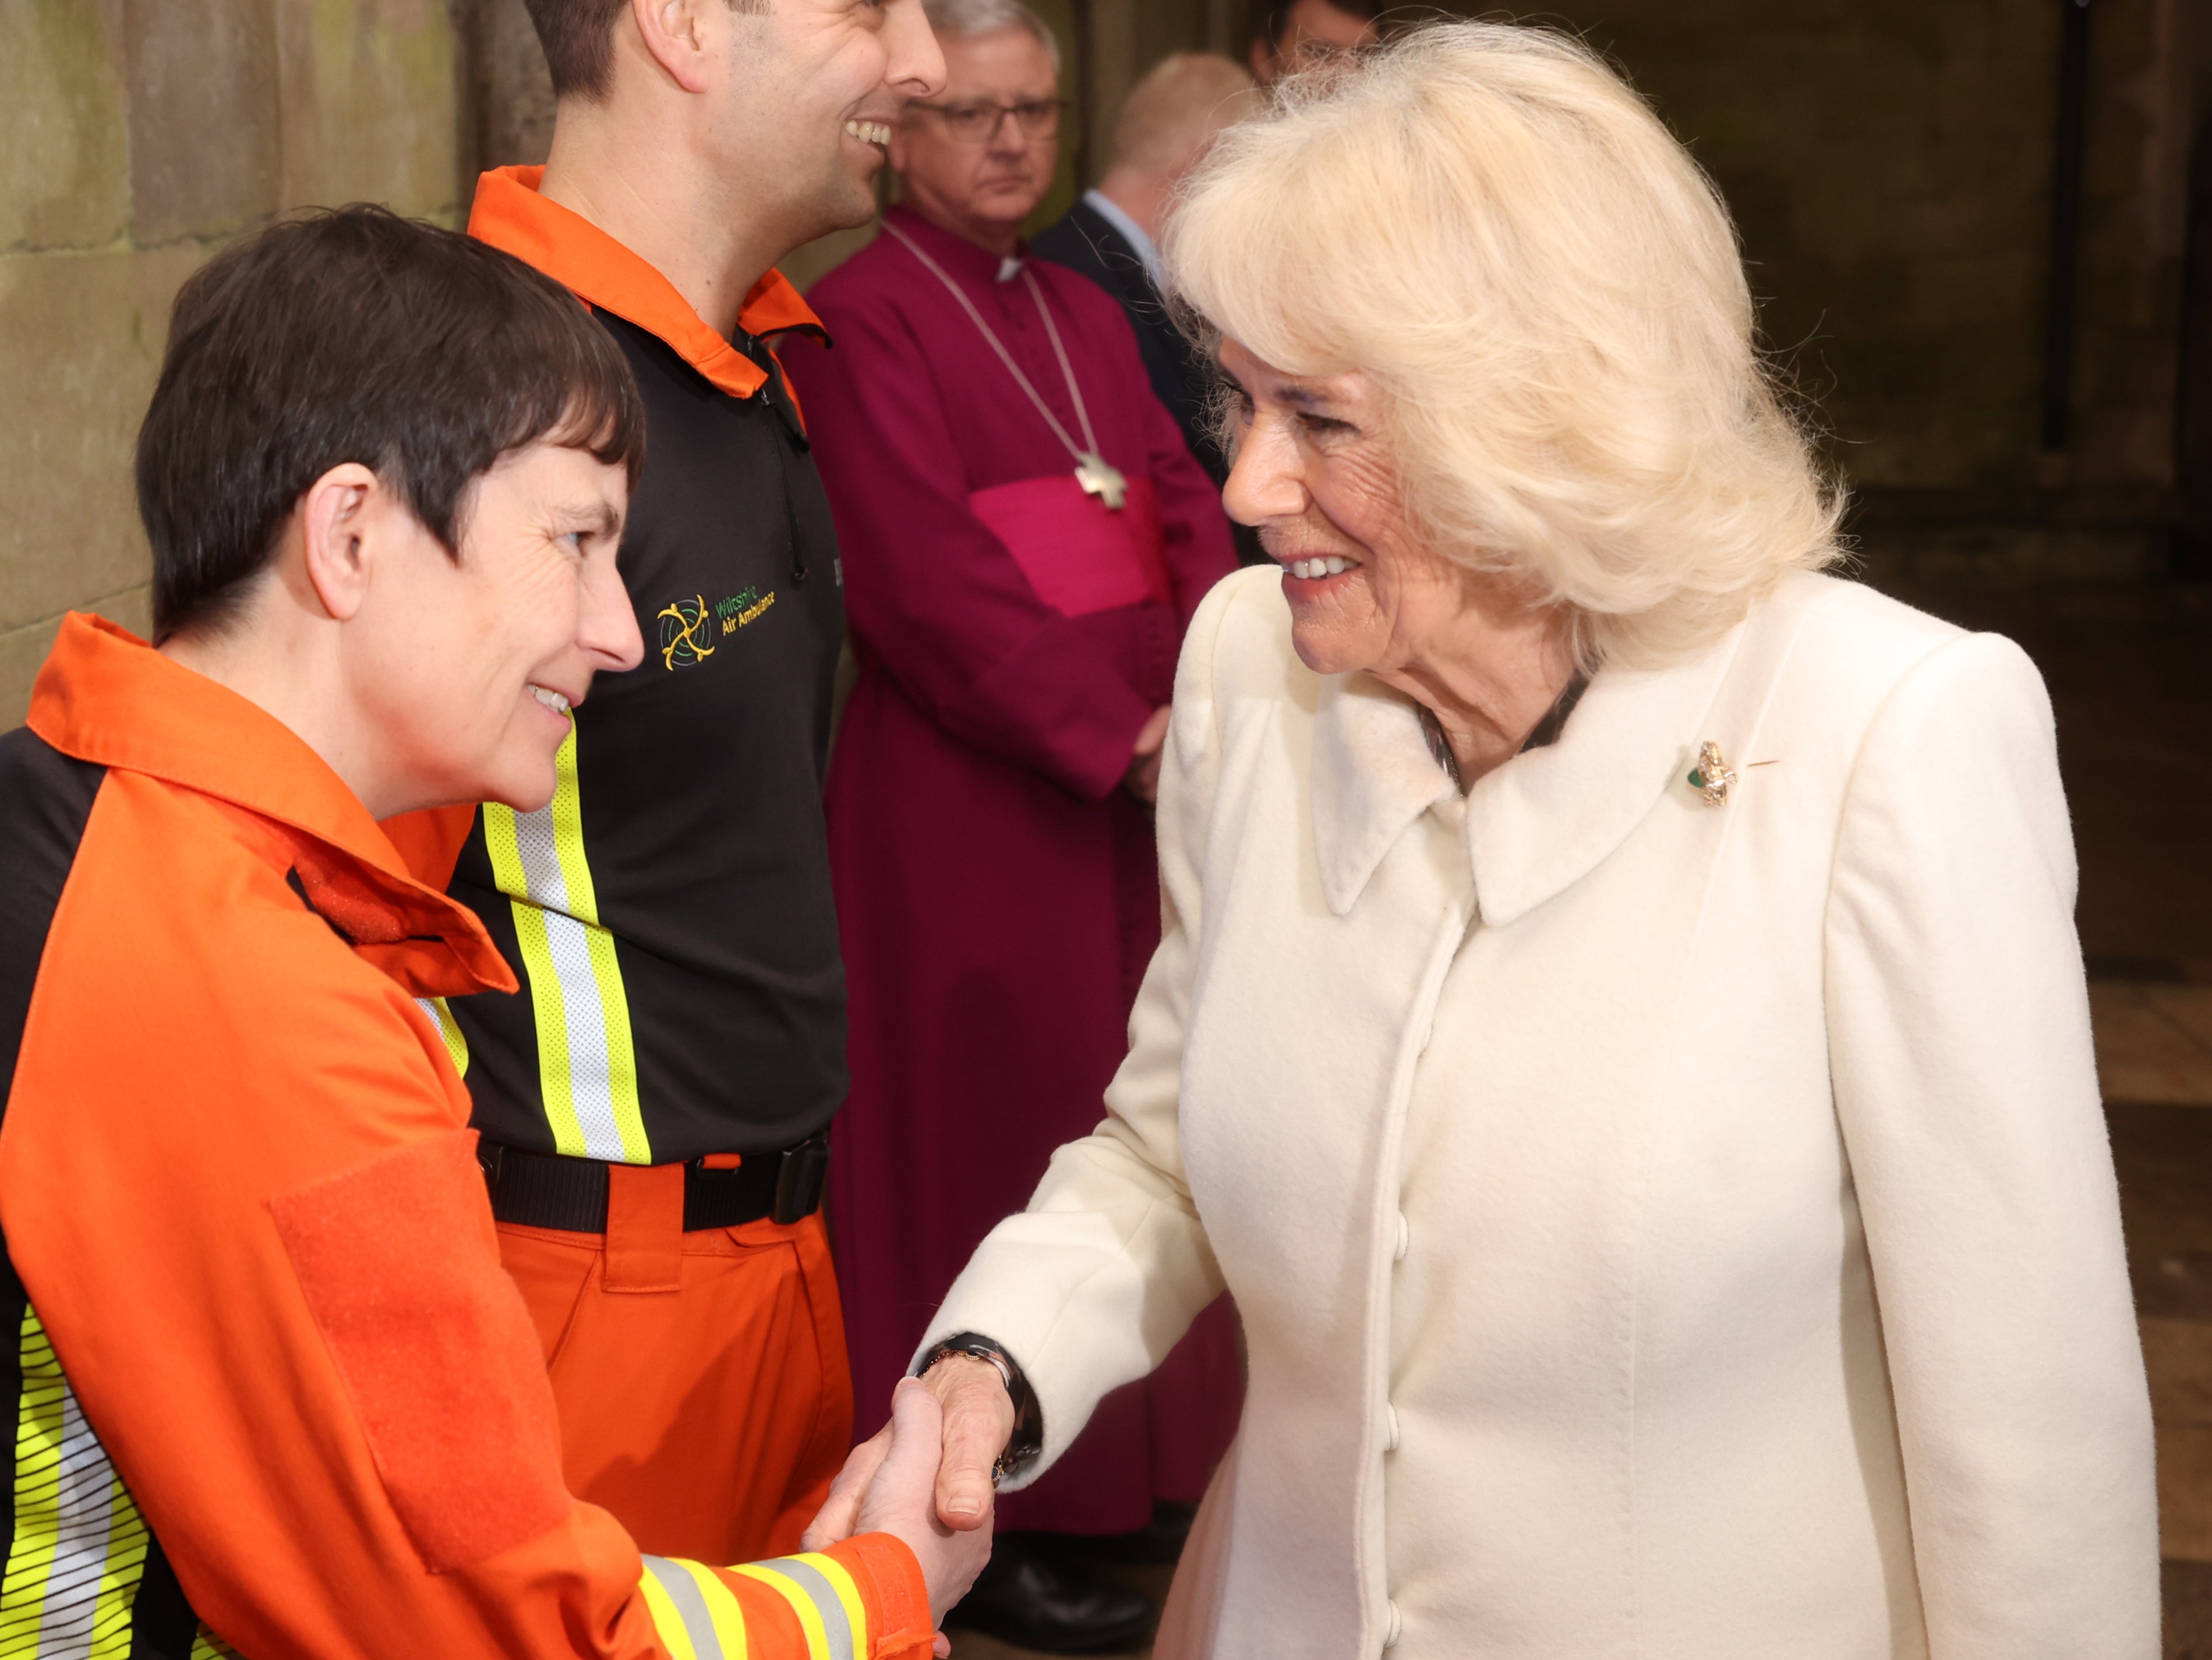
(508, 94)
(142, 136)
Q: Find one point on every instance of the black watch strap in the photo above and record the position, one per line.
(1027, 1441)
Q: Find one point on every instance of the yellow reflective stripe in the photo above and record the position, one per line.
(38, 1492)
(206, 1646)
(449, 1032)
(665, 1618)
(78, 1551)
(810, 1617)
(568, 810)
(849, 1593)
(506, 872)
(586, 1059)
(722, 1607)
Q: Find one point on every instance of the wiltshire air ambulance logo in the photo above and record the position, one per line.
(687, 632)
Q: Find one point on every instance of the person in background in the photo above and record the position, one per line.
(655, 1106)
(1290, 35)
(1026, 535)
(274, 1395)
(1171, 116)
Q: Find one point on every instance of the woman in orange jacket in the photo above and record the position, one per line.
(274, 1394)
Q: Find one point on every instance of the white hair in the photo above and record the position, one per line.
(956, 20)
(1490, 225)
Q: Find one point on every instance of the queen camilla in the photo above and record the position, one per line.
(1620, 1030)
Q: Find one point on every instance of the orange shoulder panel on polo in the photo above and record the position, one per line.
(237, 1188)
(512, 215)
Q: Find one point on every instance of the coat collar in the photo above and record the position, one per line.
(1536, 824)
(105, 696)
(511, 215)
(1372, 776)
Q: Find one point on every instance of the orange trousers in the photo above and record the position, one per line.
(703, 1391)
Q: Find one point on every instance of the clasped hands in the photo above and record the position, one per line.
(925, 1478)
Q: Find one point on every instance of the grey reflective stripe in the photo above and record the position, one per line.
(684, 1591)
(87, 1495)
(541, 862)
(569, 942)
(809, 1579)
(78, 1548)
(591, 1073)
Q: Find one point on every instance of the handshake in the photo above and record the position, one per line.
(925, 1478)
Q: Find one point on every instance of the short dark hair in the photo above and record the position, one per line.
(356, 336)
(1271, 17)
(579, 37)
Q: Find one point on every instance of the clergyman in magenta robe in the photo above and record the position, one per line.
(996, 889)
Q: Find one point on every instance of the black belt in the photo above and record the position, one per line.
(533, 1190)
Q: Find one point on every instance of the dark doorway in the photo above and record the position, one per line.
(2193, 424)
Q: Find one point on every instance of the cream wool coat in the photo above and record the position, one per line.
(1662, 1229)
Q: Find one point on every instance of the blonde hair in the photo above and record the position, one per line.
(1492, 226)
(1180, 103)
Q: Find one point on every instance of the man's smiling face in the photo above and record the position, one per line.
(813, 90)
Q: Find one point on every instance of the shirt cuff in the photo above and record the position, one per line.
(891, 1586)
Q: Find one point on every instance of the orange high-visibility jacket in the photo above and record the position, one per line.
(272, 1392)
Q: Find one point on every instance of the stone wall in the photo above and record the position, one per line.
(140, 135)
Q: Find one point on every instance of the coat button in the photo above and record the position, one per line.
(1389, 1428)
(1395, 1629)
(1405, 1238)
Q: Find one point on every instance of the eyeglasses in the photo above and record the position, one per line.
(978, 124)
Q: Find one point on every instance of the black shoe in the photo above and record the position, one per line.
(1032, 1598)
(1158, 1544)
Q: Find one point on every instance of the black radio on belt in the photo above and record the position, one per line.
(538, 1190)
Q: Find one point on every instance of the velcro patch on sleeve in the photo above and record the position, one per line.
(401, 1270)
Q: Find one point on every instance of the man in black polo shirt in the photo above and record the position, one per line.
(653, 1104)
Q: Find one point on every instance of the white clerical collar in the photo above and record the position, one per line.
(1010, 268)
(1131, 233)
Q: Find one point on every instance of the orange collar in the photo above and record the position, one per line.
(106, 696)
(510, 215)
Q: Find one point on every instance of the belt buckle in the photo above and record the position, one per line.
(799, 1176)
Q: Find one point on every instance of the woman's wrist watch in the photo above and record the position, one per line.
(1028, 1438)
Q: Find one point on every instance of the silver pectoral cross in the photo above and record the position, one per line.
(1098, 477)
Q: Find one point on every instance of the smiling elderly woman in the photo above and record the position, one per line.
(1619, 1032)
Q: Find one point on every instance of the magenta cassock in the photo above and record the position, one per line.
(996, 887)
